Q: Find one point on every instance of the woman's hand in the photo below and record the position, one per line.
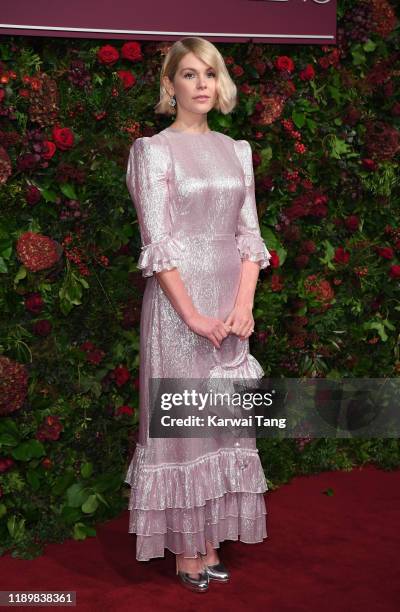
(209, 327)
(241, 321)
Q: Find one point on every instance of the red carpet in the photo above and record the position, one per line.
(323, 553)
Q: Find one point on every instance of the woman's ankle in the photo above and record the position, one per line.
(189, 565)
(211, 557)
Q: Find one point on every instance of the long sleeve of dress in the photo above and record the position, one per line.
(147, 182)
(250, 243)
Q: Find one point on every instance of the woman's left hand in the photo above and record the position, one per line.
(241, 321)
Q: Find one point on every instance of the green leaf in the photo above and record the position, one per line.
(298, 118)
(64, 481)
(83, 282)
(28, 450)
(33, 479)
(358, 56)
(20, 275)
(49, 195)
(87, 469)
(369, 46)
(79, 531)
(68, 189)
(7, 439)
(90, 505)
(77, 494)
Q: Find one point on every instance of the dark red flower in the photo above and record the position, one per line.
(283, 62)
(394, 271)
(274, 261)
(37, 252)
(127, 77)
(341, 256)
(95, 356)
(385, 252)
(107, 55)
(34, 303)
(63, 138)
(352, 223)
(32, 195)
(50, 149)
(121, 375)
(131, 51)
(369, 164)
(42, 327)
(125, 410)
(5, 464)
(308, 73)
(276, 282)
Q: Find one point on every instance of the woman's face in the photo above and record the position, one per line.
(193, 79)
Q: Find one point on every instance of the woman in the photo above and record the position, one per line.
(193, 190)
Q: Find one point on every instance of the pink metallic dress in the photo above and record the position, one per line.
(195, 202)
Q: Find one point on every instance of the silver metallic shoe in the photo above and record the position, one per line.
(217, 572)
(199, 585)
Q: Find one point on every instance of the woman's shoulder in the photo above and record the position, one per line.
(148, 142)
(241, 146)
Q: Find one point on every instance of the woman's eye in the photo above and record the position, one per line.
(191, 74)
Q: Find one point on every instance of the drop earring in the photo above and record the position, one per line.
(172, 101)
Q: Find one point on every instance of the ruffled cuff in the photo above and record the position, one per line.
(253, 248)
(162, 255)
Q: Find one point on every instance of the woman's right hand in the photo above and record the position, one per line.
(209, 327)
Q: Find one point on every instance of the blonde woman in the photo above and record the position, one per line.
(193, 190)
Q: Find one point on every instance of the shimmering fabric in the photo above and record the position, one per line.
(195, 203)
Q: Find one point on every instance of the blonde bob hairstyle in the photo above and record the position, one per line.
(226, 89)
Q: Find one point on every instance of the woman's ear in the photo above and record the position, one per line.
(168, 86)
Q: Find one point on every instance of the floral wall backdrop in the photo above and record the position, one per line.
(324, 126)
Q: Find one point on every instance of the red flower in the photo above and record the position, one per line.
(394, 271)
(341, 256)
(50, 429)
(283, 62)
(369, 164)
(42, 327)
(352, 223)
(274, 261)
(95, 356)
(5, 464)
(237, 71)
(131, 51)
(51, 149)
(396, 109)
(309, 247)
(276, 282)
(87, 346)
(47, 463)
(32, 195)
(63, 138)
(121, 375)
(127, 77)
(125, 410)
(308, 73)
(321, 288)
(301, 261)
(34, 303)
(107, 55)
(37, 252)
(385, 252)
